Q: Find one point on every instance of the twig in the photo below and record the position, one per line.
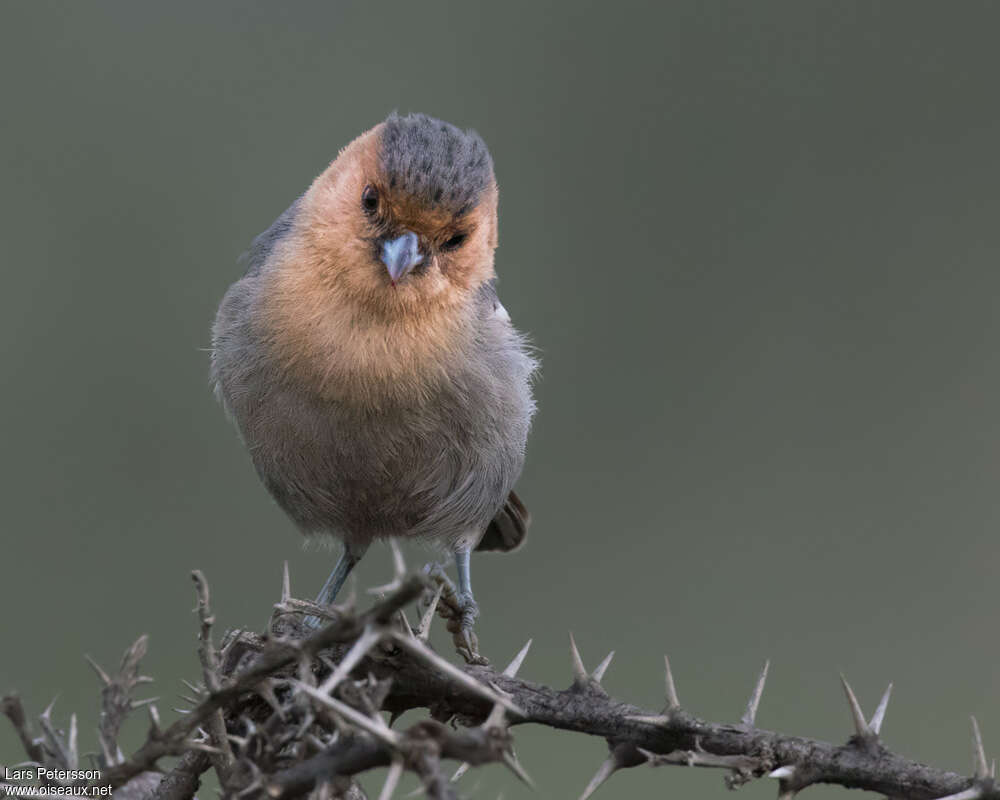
(217, 734)
(274, 657)
(303, 710)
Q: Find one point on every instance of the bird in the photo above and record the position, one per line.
(370, 368)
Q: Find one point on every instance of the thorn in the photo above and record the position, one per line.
(659, 719)
(192, 687)
(879, 716)
(972, 793)
(496, 719)
(603, 667)
(376, 727)
(106, 753)
(201, 746)
(515, 766)
(604, 772)
(265, 690)
(140, 703)
(783, 775)
(462, 769)
(751, 713)
(105, 678)
(398, 571)
(672, 701)
(73, 752)
(366, 641)
(154, 717)
(978, 753)
(47, 713)
(286, 585)
(579, 671)
(398, 565)
(699, 757)
(649, 755)
(424, 630)
(422, 651)
(405, 624)
(860, 726)
(515, 665)
(392, 779)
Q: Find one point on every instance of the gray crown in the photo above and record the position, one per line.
(434, 161)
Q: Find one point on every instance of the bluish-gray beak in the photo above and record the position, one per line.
(400, 255)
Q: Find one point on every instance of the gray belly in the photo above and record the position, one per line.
(434, 472)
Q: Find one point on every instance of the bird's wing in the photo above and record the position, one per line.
(263, 244)
(509, 527)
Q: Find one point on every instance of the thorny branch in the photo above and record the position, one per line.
(297, 712)
(216, 723)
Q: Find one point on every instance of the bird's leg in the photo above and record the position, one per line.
(462, 560)
(457, 607)
(467, 607)
(348, 560)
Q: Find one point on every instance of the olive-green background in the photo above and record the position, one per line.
(755, 244)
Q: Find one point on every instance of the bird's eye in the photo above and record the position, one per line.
(369, 199)
(454, 242)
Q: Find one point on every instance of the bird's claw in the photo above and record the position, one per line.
(460, 611)
(469, 610)
(466, 642)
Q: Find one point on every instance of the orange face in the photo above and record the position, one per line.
(353, 212)
(333, 305)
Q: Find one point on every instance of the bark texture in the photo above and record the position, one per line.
(297, 712)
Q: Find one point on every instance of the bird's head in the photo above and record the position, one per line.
(405, 218)
(373, 287)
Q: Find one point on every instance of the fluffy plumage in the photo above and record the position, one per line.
(372, 409)
(434, 161)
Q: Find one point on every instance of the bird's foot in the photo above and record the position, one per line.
(312, 623)
(462, 631)
(303, 617)
(322, 615)
(459, 610)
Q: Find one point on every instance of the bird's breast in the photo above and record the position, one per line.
(367, 433)
(347, 358)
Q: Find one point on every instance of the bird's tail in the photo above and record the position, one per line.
(509, 527)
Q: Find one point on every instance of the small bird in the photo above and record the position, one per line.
(367, 361)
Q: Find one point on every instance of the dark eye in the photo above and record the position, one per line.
(454, 242)
(369, 199)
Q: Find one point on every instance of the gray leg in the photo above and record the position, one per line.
(462, 558)
(460, 609)
(468, 603)
(348, 560)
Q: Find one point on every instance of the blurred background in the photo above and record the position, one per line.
(755, 244)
